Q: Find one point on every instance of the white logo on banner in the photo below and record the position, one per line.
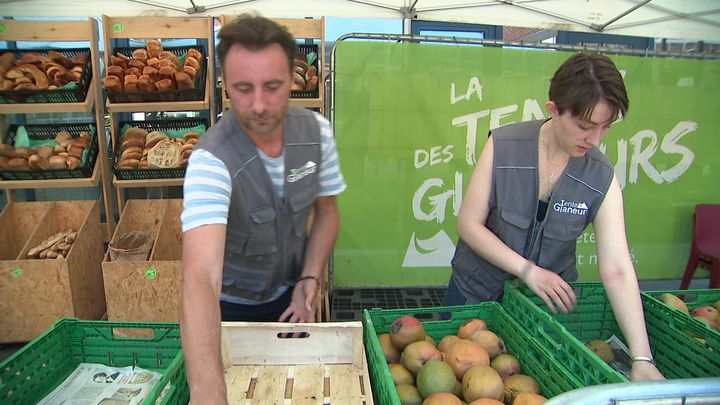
(434, 252)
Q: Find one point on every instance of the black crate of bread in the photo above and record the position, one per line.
(306, 76)
(153, 92)
(35, 76)
(41, 132)
(122, 173)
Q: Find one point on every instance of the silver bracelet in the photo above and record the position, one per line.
(643, 358)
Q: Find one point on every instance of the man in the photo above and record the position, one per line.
(249, 189)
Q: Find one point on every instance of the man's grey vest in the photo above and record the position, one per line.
(514, 197)
(265, 239)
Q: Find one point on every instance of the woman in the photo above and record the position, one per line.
(536, 187)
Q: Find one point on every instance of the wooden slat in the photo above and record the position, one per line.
(258, 343)
(307, 385)
(303, 28)
(270, 385)
(344, 385)
(59, 30)
(148, 183)
(164, 106)
(237, 381)
(157, 27)
(20, 108)
(53, 183)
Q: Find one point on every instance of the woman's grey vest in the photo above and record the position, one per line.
(266, 236)
(514, 197)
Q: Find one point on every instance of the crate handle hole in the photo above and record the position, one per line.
(293, 335)
(133, 333)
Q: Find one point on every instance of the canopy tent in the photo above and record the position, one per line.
(697, 20)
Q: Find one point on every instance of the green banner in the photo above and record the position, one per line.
(411, 119)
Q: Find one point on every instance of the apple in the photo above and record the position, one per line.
(706, 311)
(712, 324)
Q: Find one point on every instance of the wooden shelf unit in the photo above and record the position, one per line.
(155, 27)
(67, 31)
(300, 28)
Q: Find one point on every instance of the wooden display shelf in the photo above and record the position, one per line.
(19, 108)
(53, 183)
(163, 106)
(300, 102)
(148, 182)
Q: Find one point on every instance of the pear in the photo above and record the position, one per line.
(675, 302)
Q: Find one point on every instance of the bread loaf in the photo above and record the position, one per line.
(73, 162)
(112, 83)
(172, 57)
(140, 54)
(81, 142)
(6, 150)
(154, 48)
(60, 59)
(21, 152)
(57, 162)
(166, 72)
(152, 72)
(133, 71)
(154, 137)
(192, 62)
(37, 162)
(117, 61)
(136, 64)
(164, 84)
(131, 85)
(190, 71)
(128, 164)
(45, 151)
(146, 84)
(153, 62)
(183, 81)
(116, 71)
(18, 163)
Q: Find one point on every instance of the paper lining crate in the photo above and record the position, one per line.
(147, 290)
(34, 293)
(326, 366)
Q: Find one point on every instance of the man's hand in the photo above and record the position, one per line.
(644, 371)
(302, 303)
(551, 288)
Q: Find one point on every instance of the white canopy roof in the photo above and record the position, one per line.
(679, 19)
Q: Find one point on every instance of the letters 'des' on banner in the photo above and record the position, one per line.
(411, 119)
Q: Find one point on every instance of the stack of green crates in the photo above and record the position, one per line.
(677, 354)
(35, 370)
(535, 361)
(693, 299)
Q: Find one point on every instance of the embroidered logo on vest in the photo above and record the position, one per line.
(297, 174)
(570, 207)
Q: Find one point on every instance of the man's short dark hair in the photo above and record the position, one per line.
(584, 80)
(254, 33)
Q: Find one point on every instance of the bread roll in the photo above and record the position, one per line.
(57, 162)
(140, 54)
(152, 72)
(299, 80)
(311, 71)
(59, 149)
(191, 71)
(194, 53)
(6, 84)
(131, 85)
(121, 56)
(39, 77)
(116, 71)
(165, 62)
(183, 81)
(154, 48)
(132, 152)
(6, 150)
(154, 137)
(112, 83)
(190, 61)
(128, 164)
(153, 62)
(166, 72)
(62, 136)
(146, 84)
(296, 87)
(45, 151)
(4, 162)
(37, 162)
(21, 152)
(73, 162)
(61, 79)
(75, 151)
(118, 61)
(191, 135)
(136, 64)
(191, 141)
(164, 84)
(133, 71)
(312, 84)
(18, 163)
(84, 134)
(172, 57)
(143, 164)
(78, 59)
(135, 131)
(7, 60)
(59, 58)
(132, 142)
(81, 142)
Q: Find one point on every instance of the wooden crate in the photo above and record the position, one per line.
(326, 366)
(147, 290)
(35, 293)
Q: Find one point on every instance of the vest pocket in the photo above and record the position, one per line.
(513, 229)
(301, 204)
(557, 252)
(262, 239)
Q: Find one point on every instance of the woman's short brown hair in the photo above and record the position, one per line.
(584, 80)
(254, 32)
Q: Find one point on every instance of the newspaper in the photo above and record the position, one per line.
(97, 384)
(623, 361)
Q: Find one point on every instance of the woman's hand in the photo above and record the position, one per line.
(551, 288)
(644, 371)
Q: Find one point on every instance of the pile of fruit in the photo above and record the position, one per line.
(472, 366)
(709, 314)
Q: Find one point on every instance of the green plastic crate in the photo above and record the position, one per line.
(693, 299)
(39, 367)
(535, 360)
(676, 354)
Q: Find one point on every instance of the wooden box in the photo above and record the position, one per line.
(35, 293)
(327, 365)
(147, 290)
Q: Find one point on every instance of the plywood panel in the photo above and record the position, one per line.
(169, 240)
(18, 222)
